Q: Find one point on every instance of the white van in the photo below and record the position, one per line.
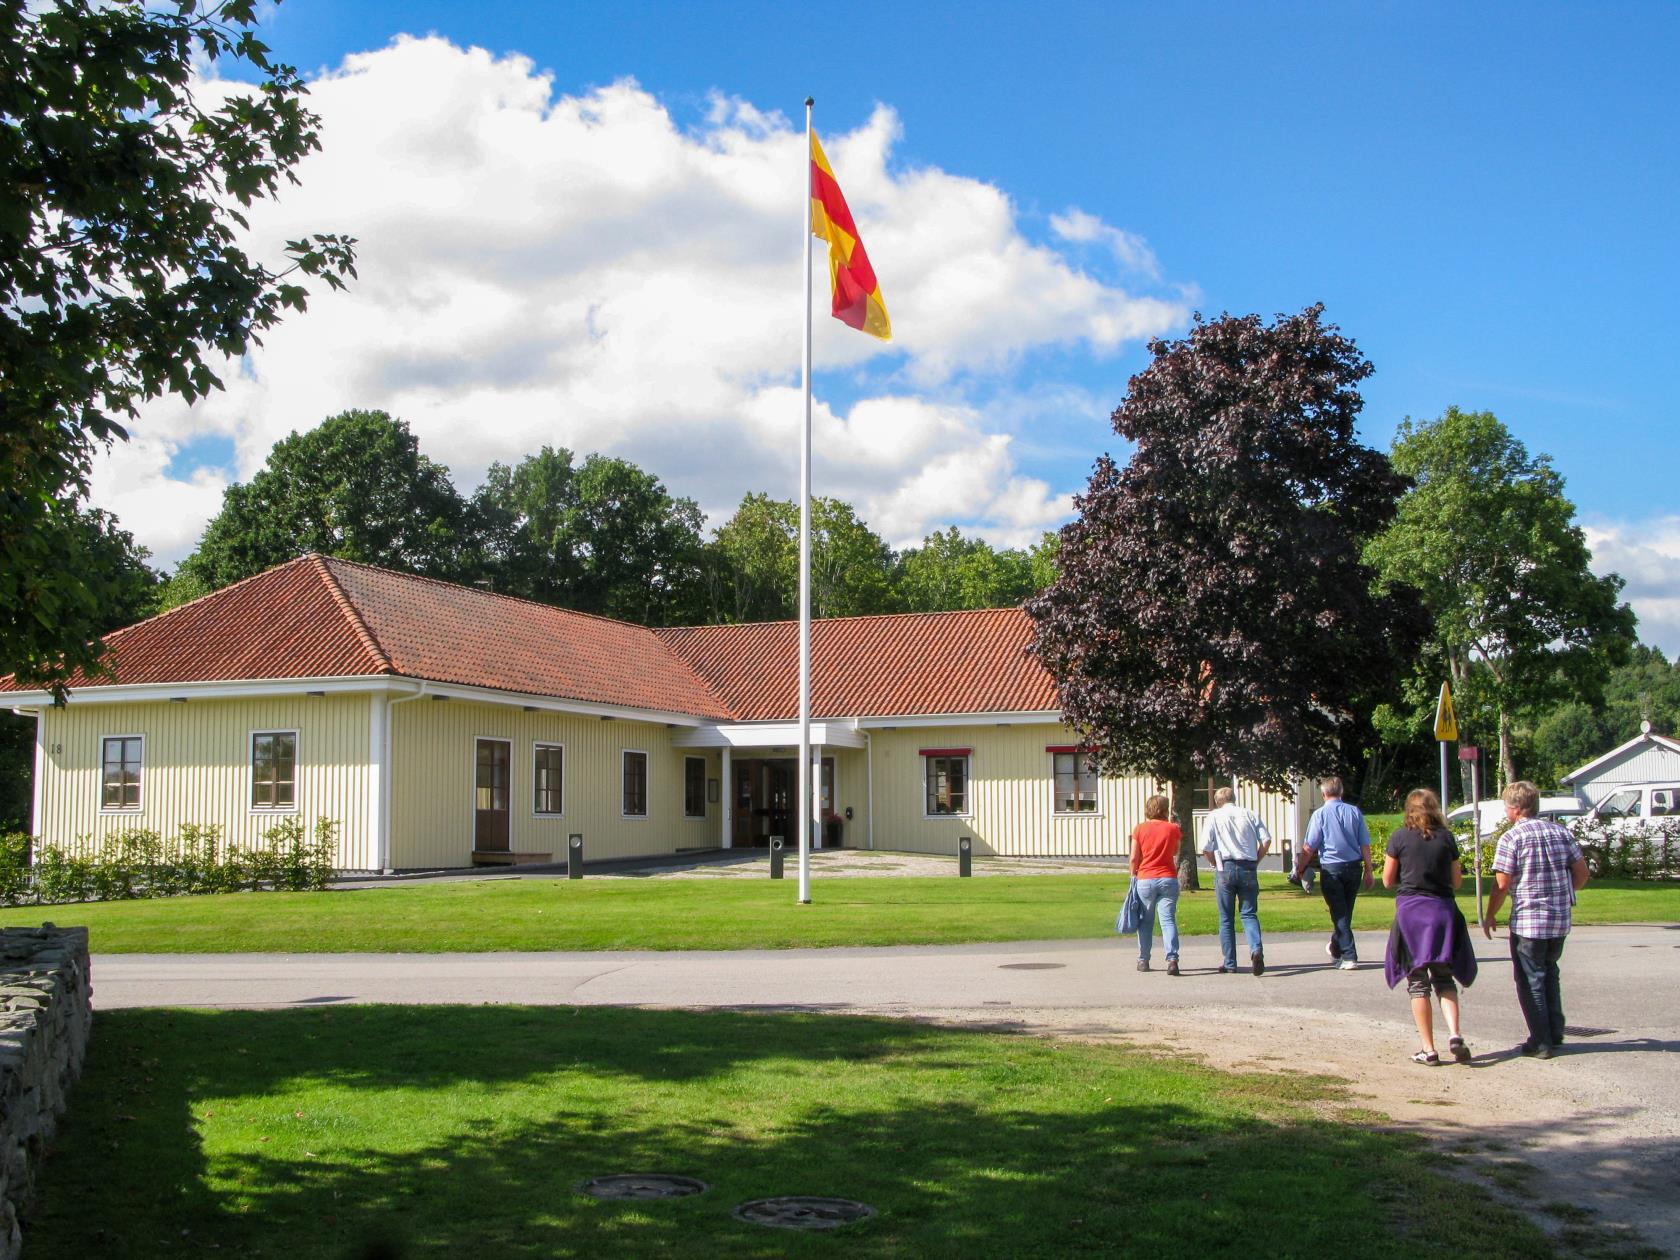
(1560, 808)
(1632, 804)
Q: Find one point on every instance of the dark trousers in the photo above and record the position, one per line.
(1340, 885)
(1534, 962)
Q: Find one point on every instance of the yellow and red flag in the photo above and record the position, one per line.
(857, 294)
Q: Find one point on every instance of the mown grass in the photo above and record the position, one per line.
(421, 1132)
(658, 914)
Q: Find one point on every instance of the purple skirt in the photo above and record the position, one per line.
(1429, 930)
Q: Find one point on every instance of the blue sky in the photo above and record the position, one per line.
(1483, 197)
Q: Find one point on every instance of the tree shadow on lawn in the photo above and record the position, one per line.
(965, 1143)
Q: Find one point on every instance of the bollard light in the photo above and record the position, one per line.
(574, 857)
(775, 857)
(965, 857)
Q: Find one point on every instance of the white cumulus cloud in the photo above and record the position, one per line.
(582, 270)
(1647, 555)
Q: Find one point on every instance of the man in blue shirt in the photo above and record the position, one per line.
(1339, 838)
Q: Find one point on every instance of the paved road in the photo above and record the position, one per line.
(1603, 1120)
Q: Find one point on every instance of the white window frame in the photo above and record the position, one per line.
(118, 811)
(1095, 811)
(968, 788)
(251, 806)
(536, 746)
(647, 784)
(704, 767)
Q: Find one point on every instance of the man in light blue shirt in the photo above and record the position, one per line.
(1235, 839)
(1339, 838)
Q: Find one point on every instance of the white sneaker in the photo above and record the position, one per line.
(1347, 964)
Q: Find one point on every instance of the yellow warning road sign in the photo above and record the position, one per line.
(1446, 723)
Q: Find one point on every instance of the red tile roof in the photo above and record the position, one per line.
(324, 618)
(891, 666)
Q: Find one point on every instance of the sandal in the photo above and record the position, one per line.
(1427, 1059)
(1460, 1051)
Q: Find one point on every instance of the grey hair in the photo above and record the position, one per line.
(1523, 797)
(1223, 796)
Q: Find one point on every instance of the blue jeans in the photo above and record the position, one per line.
(1341, 889)
(1158, 896)
(1534, 962)
(1238, 885)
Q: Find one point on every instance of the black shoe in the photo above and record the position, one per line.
(1259, 963)
(1143, 964)
(1172, 966)
(1535, 1050)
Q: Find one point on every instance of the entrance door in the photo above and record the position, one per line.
(490, 812)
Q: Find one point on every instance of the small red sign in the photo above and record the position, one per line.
(1468, 752)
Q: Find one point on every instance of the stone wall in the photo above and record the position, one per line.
(45, 1012)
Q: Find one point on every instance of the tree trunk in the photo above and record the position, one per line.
(1507, 771)
(1183, 813)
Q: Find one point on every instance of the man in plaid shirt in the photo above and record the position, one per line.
(1540, 867)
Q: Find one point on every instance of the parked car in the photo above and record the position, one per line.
(1560, 808)
(1632, 805)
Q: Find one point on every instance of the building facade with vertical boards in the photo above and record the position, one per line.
(443, 726)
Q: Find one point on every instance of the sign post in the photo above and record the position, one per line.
(1471, 754)
(1446, 730)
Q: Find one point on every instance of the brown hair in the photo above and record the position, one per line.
(1523, 797)
(1155, 808)
(1423, 811)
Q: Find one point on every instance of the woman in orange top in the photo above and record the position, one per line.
(1155, 872)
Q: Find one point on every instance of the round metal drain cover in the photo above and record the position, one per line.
(1031, 966)
(801, 1211)
(642, 1186)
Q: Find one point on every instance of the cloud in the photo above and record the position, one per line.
(584, 270)
(1130, 250)
(1646, 553)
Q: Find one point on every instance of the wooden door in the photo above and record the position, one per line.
(779, 796)
(491, 804)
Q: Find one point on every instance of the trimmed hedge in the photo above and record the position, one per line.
(140, 863)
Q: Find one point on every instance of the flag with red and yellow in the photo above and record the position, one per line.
(857, 294)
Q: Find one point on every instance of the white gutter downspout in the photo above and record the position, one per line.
(383, 840)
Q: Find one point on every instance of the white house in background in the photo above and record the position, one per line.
(1646, 758)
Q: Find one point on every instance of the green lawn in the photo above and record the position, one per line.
(549, 914)
(425, 1132)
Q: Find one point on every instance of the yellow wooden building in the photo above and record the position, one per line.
(443, 726)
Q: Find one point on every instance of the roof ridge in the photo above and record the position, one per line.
(323, 567)
(479, 590)
(791, 621)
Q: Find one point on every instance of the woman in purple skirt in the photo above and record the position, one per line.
(1429, 946)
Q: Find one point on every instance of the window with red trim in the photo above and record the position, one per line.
(947, 781)
(1076, 781)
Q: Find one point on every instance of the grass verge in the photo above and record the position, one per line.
(594, 914)
(418, 1132)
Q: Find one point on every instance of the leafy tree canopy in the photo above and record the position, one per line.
(1212, 612)
(756, 558)
(1488, 537)
(356, 487)
(949, 571)
(120, 194)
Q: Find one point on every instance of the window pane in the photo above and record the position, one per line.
(548, 775)
(635, 784)
(120, 773)
(694, 787)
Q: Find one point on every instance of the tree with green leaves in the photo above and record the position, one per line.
(949, 571)
(636, 548)
(1488, 537)
(115, 570)
(1212, 613)
(756, 559)
(121, 275)
(356, 487)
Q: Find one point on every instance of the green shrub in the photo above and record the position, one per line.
(1645, 850)
(140, 863)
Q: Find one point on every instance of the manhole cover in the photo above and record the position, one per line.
(799, 1211)
(1031, 966)
(642, 1186)
(1588, 1032)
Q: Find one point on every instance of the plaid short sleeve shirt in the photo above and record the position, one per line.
(1538, 854)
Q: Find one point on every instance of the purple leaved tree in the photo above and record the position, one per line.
(1212, 614)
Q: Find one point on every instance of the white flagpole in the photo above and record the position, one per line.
(803, 810)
